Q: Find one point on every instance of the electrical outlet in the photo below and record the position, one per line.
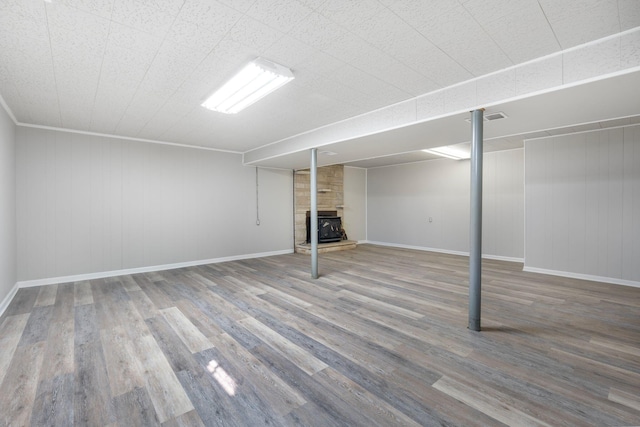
(430, 219)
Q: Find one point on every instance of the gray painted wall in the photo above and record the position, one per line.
(355, 203)
(89, 204)
(583, 203)
(401, 199)
(8, 264)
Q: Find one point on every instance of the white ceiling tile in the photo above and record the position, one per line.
(289, 52)
(249, 32)
(101, 8)
(166, 117)
(154, 17)
(111, 103)
(279, 14)
(591, 61)
(360, 54)
(313, 4)
(27, 56)
(24, 21)
(434, 64)
(12, 98)
(123, 65)
(386, 31)
(318, 31)
(170, 68)
(222, 63)
(629, 14)
(78, 41)
(320, 63)
(460, 36)
(191, 92)
(578, 21)
(123, 37)
(485, 11)
(75, 112)
(239, 5)
(350, 14)
(203, 23)
(74, 30)
(141, 109)
(523, 33)
(419, 13)
(408, 81)
(366, 83)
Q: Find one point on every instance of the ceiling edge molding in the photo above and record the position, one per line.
(128, 138)
(8, 110)
(583, 131)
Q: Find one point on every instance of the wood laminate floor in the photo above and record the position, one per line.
(379, 340)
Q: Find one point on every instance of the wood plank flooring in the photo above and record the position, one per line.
(379, 339)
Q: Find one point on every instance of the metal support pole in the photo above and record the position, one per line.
(475, 240)
(314, 213)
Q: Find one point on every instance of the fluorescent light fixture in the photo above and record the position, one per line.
(256, 80)
(449, 152)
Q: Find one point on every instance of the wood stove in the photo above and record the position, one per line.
(329, 227)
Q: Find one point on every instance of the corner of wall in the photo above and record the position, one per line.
(8, 298)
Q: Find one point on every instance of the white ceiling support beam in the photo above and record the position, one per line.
(602, 59)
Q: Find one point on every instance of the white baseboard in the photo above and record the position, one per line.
(7, 299)
(581, 276)
(443, 251)
(503, 258)
(112, 273)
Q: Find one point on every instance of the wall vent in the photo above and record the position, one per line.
(489, 117)
(495, 116)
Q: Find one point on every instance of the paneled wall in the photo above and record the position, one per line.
(583, 204)
(89, 204)
(8, 275)
(426, 205)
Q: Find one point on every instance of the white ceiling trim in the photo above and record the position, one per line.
(8, 110)
(582, 131)
(127, 138)
(108, 135)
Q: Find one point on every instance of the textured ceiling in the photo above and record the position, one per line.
(141, 68)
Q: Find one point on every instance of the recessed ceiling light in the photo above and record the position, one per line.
(256, 80)
(449, 152)
(328, 153)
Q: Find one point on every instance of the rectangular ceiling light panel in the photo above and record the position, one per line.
(256, 80)
(449, 152)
